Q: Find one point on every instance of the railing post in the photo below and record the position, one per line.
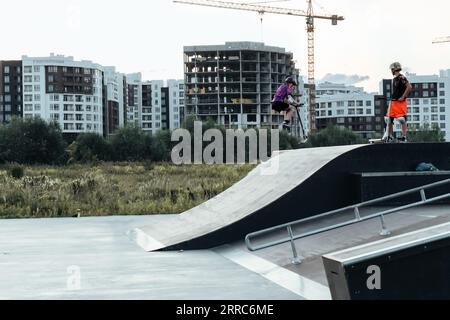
(296, 258)
(384, 230)
(423, 195)
(357, 214)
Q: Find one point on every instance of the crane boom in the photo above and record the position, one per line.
(256, 8)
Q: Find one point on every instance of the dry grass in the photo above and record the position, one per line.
(112, 189)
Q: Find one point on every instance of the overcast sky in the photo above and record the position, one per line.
(148, 35)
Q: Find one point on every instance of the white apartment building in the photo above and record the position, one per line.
(175, 103)
(57, 88)
(116, 96)
(347, 107)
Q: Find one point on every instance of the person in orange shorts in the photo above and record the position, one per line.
(398, 108)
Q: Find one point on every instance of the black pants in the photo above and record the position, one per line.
(280, 106)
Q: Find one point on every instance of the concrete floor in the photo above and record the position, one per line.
(41, 259)
(38, 259)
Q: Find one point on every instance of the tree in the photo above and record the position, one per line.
(333, 136)
(89, 147)
(426, 134)
(32, 141)
(161, 146)
(131, 144)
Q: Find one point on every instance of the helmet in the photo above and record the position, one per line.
(396, 66)
(291, 80)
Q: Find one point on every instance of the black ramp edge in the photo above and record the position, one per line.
(309, 182)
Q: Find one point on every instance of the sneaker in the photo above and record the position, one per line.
(390, 139)
(402, 140)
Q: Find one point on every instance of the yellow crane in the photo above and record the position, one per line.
(441, 40)
(310, 27)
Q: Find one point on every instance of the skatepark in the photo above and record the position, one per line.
(241, 245)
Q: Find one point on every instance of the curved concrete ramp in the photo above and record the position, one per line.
(292, 185)
(263, 186)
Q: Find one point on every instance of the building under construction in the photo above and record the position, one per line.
(234, 84)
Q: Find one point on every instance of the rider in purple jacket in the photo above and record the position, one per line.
(283, 101)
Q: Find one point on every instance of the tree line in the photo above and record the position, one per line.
(34, 141)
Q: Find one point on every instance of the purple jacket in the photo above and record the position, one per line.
(282, 93)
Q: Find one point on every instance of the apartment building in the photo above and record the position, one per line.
(58, 88)
(349, 107)
(234, 84)
(10, 90)
(115, 100)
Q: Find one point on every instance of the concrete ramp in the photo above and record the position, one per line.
(292, 185)
(264, 185)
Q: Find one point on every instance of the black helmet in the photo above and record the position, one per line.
(291, 80)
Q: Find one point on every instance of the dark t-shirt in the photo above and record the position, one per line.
(399, 84)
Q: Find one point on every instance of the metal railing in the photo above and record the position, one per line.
(356, 210)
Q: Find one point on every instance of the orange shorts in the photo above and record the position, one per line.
(399, 109)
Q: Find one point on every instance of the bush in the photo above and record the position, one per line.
(32, 141)
(16, 171)
(89, 148)
(334, 136)
(427, 134)
(131, 144)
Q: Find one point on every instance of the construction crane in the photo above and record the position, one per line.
(441, 40)
(310, 27)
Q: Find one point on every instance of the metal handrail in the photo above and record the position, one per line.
(356, 208)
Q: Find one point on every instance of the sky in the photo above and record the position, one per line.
(148, 36)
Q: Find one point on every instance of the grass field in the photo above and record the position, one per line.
(112, 189)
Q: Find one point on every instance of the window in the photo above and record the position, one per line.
(443, 125)
(37, 97)
(426, 110)
(340, 120)
(434, 101)
(359, 103)
(442, 109)
(416, 102)
(442, 117)
(340, 103)
(53, 69)
(368, 103)
(28, 69)
(6, 79)
(28, 97)
(28, 88)
(434, 117)
(6, 69)
(426, 94)
(340, 112)
(416, 110)
(416, 118)
(28, 107)
(37, 78)
(54, 116)
(441, 101)
(51, 88)
(7, 90)
(28, 79)
(80, 126)
(368, 111)
(86, 71)
(360, 111)
(351, 111)
(351, 103)
(37, 88)
(37, 107)
(426, 101)
(54, 107)
(79, 117)
(434, 109)
(88, 117)
(88, 108)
